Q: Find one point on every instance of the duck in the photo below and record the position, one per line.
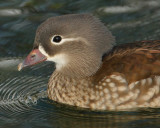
(92, 71)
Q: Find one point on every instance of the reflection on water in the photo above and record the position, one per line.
(23, 98)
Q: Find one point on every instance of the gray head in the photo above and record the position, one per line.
(76, 43)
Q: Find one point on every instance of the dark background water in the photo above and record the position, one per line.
(23, 99)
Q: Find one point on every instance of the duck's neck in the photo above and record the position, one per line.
(70, 91)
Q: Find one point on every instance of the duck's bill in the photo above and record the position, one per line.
(34, 57)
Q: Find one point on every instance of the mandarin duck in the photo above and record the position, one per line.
(91, 71)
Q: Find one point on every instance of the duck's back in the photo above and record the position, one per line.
(135, 61)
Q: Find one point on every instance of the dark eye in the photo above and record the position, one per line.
(57, 39)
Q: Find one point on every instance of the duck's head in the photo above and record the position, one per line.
(76, 43)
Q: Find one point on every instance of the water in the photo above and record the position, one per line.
(23, 98)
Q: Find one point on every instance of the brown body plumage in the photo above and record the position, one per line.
(92, 72)
(128, 78)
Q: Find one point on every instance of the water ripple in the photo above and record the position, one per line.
(21, 90)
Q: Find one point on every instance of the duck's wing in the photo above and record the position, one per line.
(134, 61)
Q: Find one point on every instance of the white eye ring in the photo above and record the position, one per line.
(56, 39)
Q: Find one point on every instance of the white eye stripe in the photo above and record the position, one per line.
(64, 40)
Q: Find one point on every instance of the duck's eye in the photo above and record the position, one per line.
(57, 39)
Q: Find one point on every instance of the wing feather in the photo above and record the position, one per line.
(135, 61)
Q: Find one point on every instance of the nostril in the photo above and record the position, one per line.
(33, 56)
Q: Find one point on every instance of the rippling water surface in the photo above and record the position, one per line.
(23, 98)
